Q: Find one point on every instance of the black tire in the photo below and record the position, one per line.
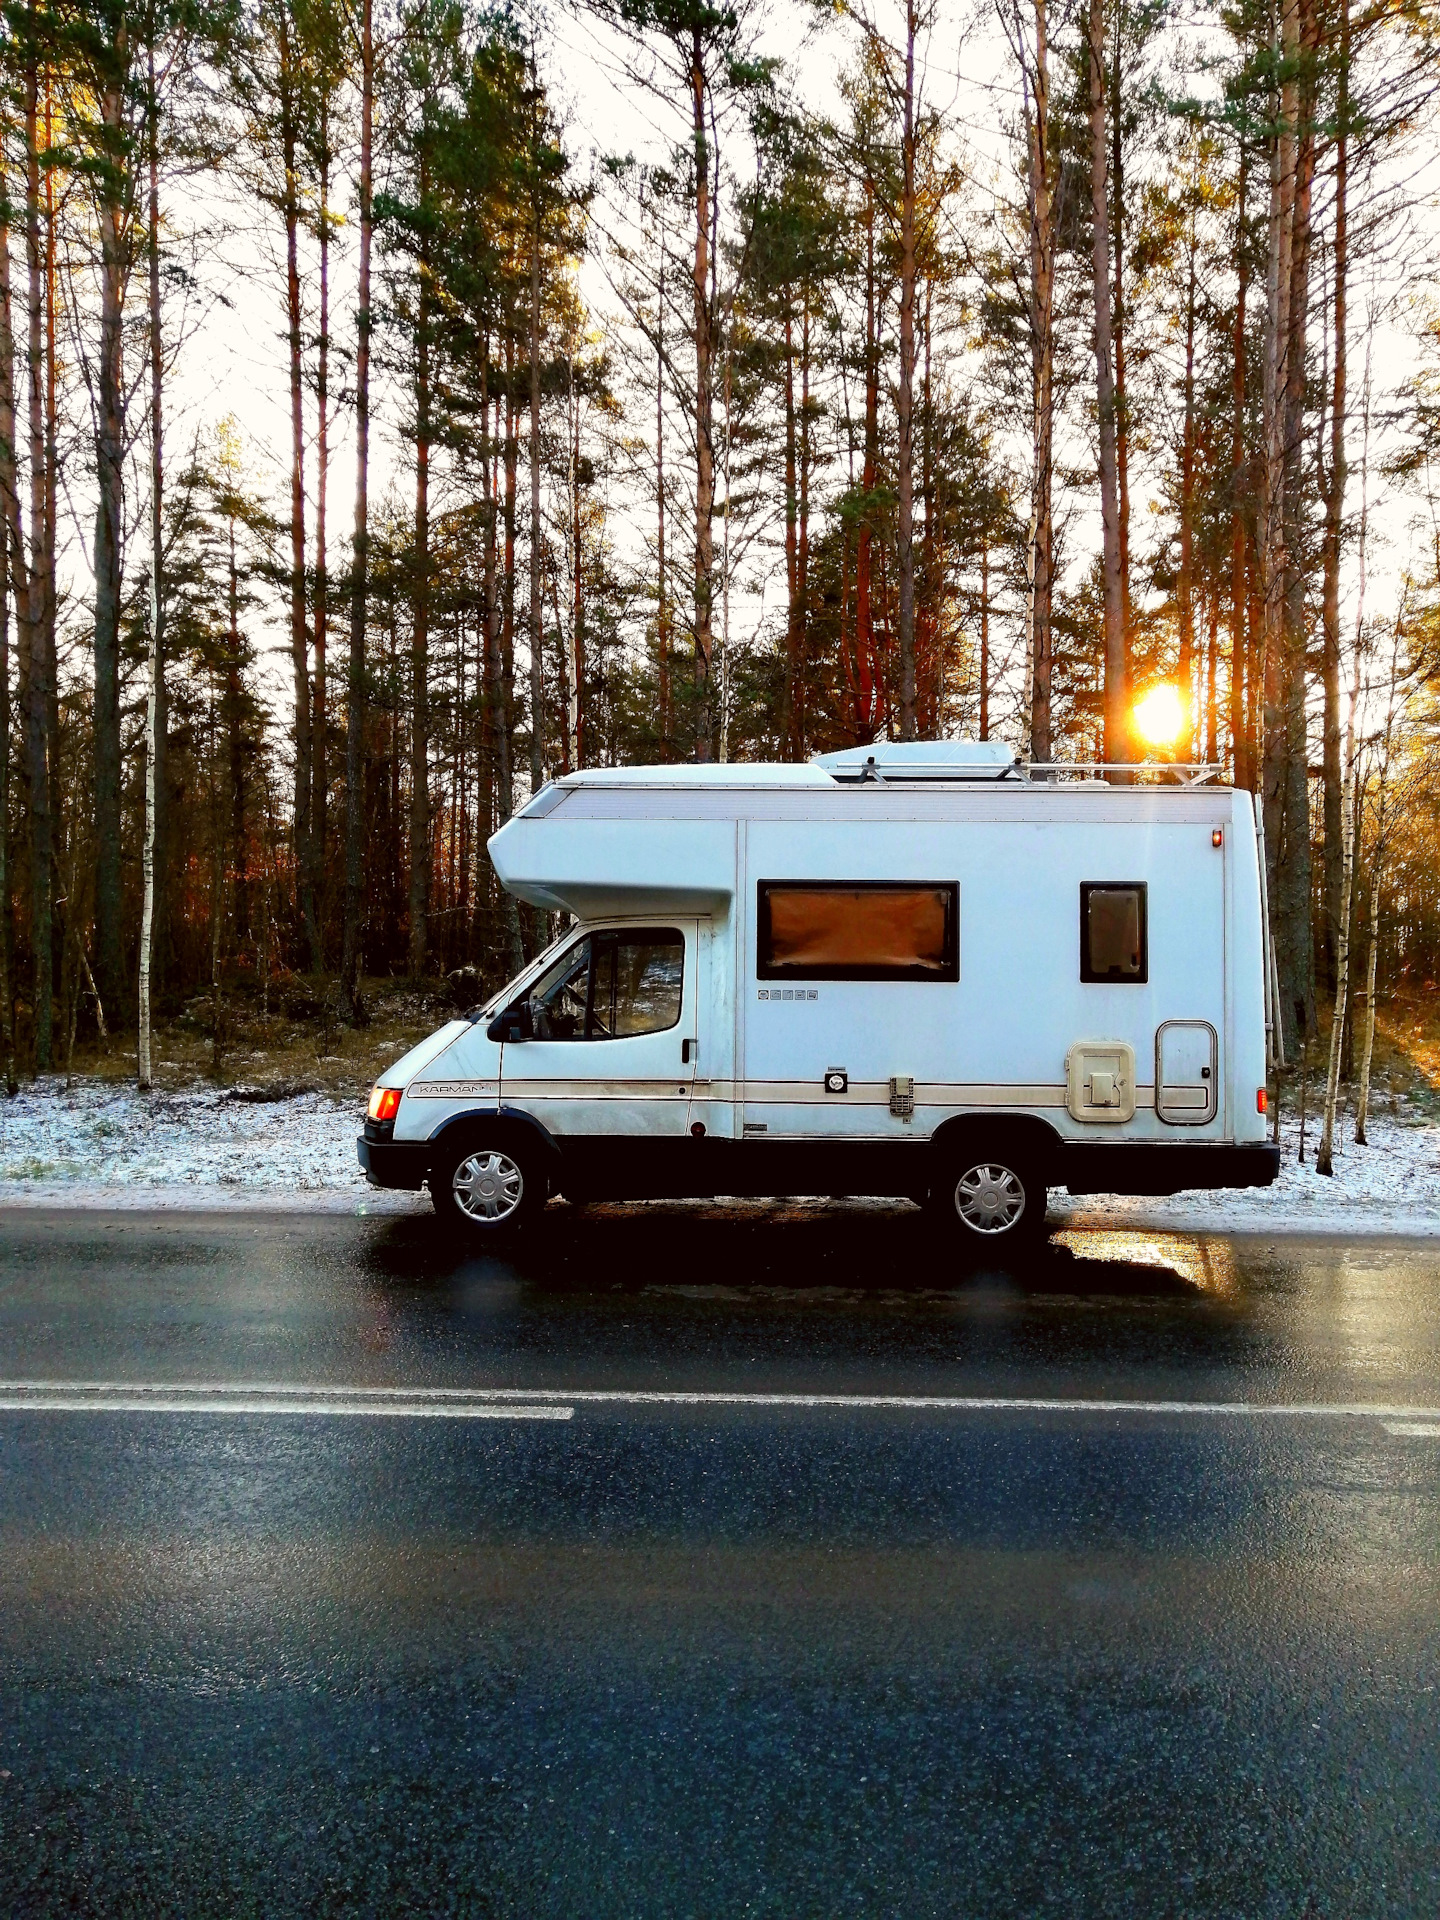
(992, 1196)
(486, 1185)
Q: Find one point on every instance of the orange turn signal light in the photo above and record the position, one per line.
(1262, 1100)
(384, 1103)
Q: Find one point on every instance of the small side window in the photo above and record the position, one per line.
(1113, 934)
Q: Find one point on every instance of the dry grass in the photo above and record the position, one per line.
(301, 1044)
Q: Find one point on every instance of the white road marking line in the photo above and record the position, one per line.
(546, 1402)
(290, 1403)
(1413, 1429)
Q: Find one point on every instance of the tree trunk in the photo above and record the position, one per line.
(154, 704)
(355, 690)
(1244, 773)
(1117, 690)
(867, 665)
(16, 577)
(110, 479)
(537, 607)
(320, 774)
(505, 666)
(577, 587)
(1187, 504)
(1292, 891)
(802, 543)
(1333, 493)
(905, 401)
(663, 637)
(704, 413)
(1280, 242)
(7, 996)
(299, 631)
(38, 742)
(1040, 546)
(420, 636)
(1362, 1100)
(790, 703)
(1115, 82)
(1324, 1157)
(984, 727)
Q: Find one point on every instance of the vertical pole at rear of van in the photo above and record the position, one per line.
(1274, 1031)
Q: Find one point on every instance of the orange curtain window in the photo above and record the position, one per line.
(859, 929)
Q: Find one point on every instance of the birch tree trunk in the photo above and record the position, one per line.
(1362, 1101)
(356, 701)
(1324, 1156)
(13, 573)
(1117, 690)
(154, 704)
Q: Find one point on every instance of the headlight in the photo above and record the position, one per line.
(384, 1103)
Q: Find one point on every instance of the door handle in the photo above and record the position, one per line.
(685, 1046)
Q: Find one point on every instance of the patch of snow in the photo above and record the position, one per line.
(1391, 1186)
(104, 1144)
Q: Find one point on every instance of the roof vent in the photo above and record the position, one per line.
(888, 761)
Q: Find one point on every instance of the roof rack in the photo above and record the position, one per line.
(915, 772)
(1183, 773)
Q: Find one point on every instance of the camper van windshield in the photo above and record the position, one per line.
(857, 930)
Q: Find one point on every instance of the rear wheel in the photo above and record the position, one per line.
(485, 1188)
(996, 1197)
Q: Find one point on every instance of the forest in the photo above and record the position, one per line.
(673, 380)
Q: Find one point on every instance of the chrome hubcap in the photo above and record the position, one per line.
(488, 1186)
(989, 1199)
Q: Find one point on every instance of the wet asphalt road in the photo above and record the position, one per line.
(712, 1656)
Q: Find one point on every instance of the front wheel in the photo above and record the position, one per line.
(994, 1198)
(484, 1188)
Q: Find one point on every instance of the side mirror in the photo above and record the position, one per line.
(512, 1023)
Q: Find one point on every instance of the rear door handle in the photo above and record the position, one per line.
(685, 1046)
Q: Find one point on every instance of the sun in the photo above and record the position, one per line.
(1160, 716)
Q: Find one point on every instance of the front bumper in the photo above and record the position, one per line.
(394, 1163)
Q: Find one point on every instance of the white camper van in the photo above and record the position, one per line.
(917, 970)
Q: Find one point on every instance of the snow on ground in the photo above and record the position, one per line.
(1390, 1186)
(102, 1144)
